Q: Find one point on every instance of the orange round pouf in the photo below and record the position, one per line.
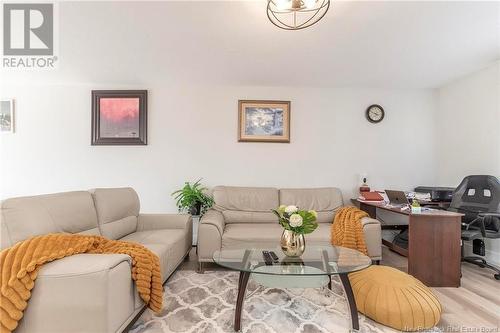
(395, 299)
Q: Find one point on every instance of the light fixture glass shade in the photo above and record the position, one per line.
(296, 14)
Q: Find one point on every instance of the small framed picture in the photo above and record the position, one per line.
(119, 117)
(264, 121)
(7, 115)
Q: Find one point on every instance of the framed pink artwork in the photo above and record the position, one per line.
(119, 117)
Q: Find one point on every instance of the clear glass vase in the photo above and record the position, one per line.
(292, 243)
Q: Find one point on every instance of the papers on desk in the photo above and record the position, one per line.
(408, 208)
(376, 196)
(419, 196)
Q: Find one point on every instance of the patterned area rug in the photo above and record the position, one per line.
(204, 303)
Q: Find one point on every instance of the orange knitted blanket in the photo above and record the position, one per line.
(19, 266)
(347, 230)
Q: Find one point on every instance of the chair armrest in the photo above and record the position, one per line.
(489, 214)
(163, 221)
(482, 220)
(214, 218)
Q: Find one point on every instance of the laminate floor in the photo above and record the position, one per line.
(473, 307)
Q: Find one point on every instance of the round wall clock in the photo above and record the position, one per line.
(375, 113)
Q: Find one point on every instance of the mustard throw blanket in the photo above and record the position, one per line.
(347, 230)
(19, 266)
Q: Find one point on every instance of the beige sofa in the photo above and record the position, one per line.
(242, 217)
(91, 292)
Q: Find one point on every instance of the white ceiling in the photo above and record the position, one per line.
(374, 44)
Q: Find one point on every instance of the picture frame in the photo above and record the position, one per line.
(119, 117)
(7, 115)
(264, 121)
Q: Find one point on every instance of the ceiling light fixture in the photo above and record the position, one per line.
(296, 14)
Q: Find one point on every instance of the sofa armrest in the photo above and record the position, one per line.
(210, 234)
(369, 220)
(214, 218)
(163, 221)
(82, 293)
(373, 237)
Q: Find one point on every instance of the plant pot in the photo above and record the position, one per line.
(292, 243)
(195, 209)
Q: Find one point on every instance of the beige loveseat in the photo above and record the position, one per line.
(242, 217)
(91, 292)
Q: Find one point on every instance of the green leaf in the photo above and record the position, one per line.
(192, 195)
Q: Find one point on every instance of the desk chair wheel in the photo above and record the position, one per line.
(497, 276)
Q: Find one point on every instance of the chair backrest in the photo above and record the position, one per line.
(325, 201)
(117, 211)
(254, 204)
(246, 204)
(477, 194)
(25, 217)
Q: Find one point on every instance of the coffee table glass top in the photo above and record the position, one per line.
(316, 260)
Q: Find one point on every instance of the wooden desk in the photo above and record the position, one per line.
(433, 244)
(435, 204)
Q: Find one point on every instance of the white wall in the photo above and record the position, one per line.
(468, 126)
(192, 133)
(468, 114)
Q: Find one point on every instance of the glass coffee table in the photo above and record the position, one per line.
(311, 270)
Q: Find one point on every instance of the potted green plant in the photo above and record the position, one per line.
(192, 198)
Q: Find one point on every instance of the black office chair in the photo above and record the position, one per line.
(478, 197)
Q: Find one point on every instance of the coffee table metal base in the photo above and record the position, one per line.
(242, 286)
(344, 278)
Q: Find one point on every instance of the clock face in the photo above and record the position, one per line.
(375, 113)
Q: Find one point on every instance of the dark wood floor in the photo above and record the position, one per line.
(472, 308)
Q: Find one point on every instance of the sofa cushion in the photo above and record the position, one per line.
(117, 211)
(246, 204)
(25, 217)
(168, 245)
(324, 200)
(244, 235)
(238, 216)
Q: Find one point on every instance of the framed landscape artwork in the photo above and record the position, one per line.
(7, 115)
(119, 117)
(264, 121)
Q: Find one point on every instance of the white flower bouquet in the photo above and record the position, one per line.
(299, 221)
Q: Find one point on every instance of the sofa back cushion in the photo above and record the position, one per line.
(25, 217)
(324, 200)
(117, 211)
(246, 204)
